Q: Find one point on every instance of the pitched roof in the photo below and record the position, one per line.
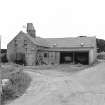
(73, 42)
(62, 42)
(37, 41)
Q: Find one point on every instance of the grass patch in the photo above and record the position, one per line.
(101, 55)
(17, 86)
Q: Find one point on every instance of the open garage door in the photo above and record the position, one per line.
(66, 57)
(81, 57)
(74, 57)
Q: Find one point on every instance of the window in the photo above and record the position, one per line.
(45, 55)
(25, 50)
(25, 42)
(15, 42)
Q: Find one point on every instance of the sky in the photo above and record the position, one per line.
(52, 18)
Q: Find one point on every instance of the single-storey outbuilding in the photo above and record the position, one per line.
(33, 50)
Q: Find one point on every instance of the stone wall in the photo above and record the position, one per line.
(21, 44)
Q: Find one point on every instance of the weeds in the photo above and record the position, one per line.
(17, 86)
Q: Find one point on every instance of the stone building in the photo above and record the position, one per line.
(37, 51)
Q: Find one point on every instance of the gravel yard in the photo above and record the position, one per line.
(59, 87)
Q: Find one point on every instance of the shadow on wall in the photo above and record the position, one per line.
(18, 58)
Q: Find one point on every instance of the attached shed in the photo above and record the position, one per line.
(74, 50)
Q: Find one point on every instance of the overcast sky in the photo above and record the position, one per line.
(52, 18)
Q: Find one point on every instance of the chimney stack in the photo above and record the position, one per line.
(30, 30)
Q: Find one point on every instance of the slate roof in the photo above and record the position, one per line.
(72, 42)
(38, 41)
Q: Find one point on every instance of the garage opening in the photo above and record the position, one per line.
(66, 57)
(74, 57)
(81, 57)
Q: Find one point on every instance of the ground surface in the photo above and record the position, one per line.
(52, 87)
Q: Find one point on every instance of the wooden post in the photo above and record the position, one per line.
(0, 93)
(73, 57)
(0, 74)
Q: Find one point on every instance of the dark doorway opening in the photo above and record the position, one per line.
(82, 58)
(66, 57)
(74, 57)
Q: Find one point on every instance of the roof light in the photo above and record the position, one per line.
(53, 45)
(82, 44)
